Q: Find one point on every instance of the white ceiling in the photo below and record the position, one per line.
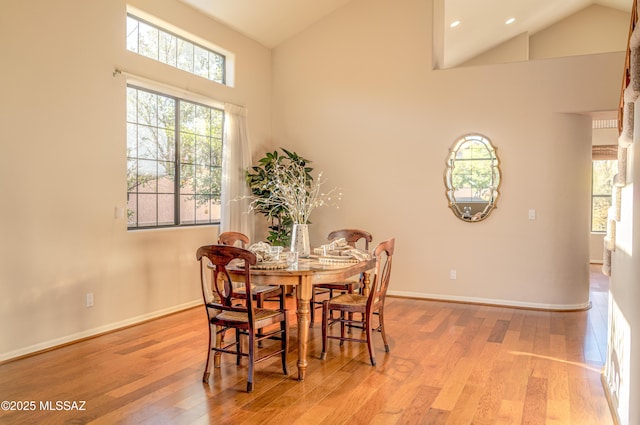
(270, 22)
(483, 22)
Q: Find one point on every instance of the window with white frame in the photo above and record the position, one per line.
(149, 40)
(174, 160)
(604, 168)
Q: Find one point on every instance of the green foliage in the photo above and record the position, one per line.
(474, 170)
(603, 172)
(152, 149)
(260, 181)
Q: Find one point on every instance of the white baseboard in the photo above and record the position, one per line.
(138, 319)
(611, 399)
(95, 331)
(501, 303)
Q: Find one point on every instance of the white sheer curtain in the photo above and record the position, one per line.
(236, 158)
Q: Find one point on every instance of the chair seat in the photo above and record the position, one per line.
(349, 301)
(348, 286)
(259, 314)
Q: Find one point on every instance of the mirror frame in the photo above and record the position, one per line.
(496, 178)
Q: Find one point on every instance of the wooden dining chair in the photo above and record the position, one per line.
(352, 237)
(260, 293)
(349, 303)
(223, 314)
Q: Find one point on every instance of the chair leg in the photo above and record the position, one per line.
(219, 338)
(284, 327)
(238, 347)
(259, 304)
(312, 307)
(251, 362)
(213, 335)
(372, 355)
(350, 315)
(342, 326)
(331, 296)
(325, 319)
(381, 328)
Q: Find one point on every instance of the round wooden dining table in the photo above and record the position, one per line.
(303, 275)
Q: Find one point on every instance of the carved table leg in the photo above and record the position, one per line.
(303, 295)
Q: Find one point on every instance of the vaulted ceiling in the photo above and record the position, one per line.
(482, 23)
(270, 22)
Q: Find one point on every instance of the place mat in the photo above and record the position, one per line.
(337, 259)
(270, 265)
(333, 252)
(341, 254)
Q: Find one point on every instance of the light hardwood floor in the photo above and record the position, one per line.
(449, 364)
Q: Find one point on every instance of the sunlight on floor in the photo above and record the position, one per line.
(555, 359)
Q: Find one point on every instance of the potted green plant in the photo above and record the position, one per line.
(284, 191)
(260, 181)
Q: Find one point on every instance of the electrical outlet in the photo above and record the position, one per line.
(453, 275)
(532, 214)
(89, 299)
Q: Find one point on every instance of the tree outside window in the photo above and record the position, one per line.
(603, 172)
(153, 42)
(174, 160)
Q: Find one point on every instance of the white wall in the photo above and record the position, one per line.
(594, 29)
(63, 170)
(356, 94)
(515, 49)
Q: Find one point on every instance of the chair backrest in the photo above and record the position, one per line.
(233, 239)
(352, 236)
(214, 260)
(380, 282)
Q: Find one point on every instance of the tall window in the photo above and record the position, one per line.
(159, 44)
(174, 160)
(604, 168)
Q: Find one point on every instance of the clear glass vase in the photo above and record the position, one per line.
(300, 240)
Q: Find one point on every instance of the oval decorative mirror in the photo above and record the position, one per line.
(472, 178)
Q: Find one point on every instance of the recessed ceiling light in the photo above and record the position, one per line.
(454, 24)
(510, 21)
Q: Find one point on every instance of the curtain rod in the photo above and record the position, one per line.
(152, 84)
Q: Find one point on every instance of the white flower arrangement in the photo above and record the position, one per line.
(292, 190)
